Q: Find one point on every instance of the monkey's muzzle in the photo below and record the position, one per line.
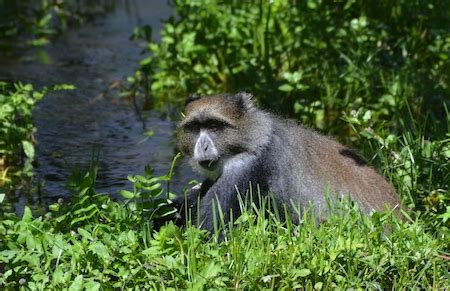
(205, 152)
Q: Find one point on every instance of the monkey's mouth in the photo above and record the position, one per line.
(209, 164)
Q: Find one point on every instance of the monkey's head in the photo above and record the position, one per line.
(220, 130)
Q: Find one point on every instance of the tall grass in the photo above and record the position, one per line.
(374, 74)
(117, 247)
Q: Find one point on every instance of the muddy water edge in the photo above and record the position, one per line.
(71, 124)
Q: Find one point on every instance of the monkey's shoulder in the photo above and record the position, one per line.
(298, 141)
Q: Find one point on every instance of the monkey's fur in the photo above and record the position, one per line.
(232, 143)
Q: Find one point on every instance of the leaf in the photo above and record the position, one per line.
(211, 270)
(28, 148)
(59, 276)
(87, 209)
(92, 286)
(84, 233)
(63, 87)
(31, 243)
(302, 272)
(77, 284)
(54, 207)
(126, 194)
(165, 210)
(149, 133)
(152, 188)
(100, 250)
(6, 108)
(27, 215)
(367, 116)
(33, 260)
(286, 88)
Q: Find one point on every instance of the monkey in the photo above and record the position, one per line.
(237, 147)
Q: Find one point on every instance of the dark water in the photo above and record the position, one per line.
(71, 123)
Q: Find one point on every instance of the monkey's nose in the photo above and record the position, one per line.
(208, 164)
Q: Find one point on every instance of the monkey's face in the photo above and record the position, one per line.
(211, 133)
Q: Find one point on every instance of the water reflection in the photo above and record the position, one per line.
(70, 123)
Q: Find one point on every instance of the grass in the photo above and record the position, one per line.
(380, 85)
(117, 247)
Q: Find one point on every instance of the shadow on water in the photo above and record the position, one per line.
(70, 124)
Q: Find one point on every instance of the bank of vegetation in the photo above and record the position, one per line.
(35, 22)
(373, 74)
(17, 145)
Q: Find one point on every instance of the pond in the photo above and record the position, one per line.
(71, 124)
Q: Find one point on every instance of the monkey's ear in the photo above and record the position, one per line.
(245, 101)
(191, 98)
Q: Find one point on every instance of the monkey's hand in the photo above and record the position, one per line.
(185, 203)
(182, 204)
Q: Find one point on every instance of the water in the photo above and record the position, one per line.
(71, 123)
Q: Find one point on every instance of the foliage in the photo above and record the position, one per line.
(418, 167)
(148, 200)
(94, 242)
(37, 21)
(308, 59)
(380, 82)
(16, 126)
(373, 73)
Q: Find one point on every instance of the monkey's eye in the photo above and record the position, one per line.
(214, 125)
(210, 124)
(193, 127)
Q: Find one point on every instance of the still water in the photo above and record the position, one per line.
(71, 123)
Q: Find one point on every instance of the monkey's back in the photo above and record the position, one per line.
(310, 164)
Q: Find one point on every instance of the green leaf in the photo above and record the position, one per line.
(63, 87)
(286, 88)
(54, 207)
(367, 116)
(59, 276)
(302, 272)
(28, 148)
(27, 215)
(85, 234)
(127, 194)
(77, 284)
(33, 260)
(92, 286)
(31, 243)
(211, 270)
(100, 250)
(149, 133)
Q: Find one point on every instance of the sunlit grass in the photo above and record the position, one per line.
(116, 246)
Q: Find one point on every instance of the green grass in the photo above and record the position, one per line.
(96, 243)
(372, 74)
(380, 85)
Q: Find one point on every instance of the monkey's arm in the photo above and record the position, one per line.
(182, 204)
(187, 204)
(222, 198)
